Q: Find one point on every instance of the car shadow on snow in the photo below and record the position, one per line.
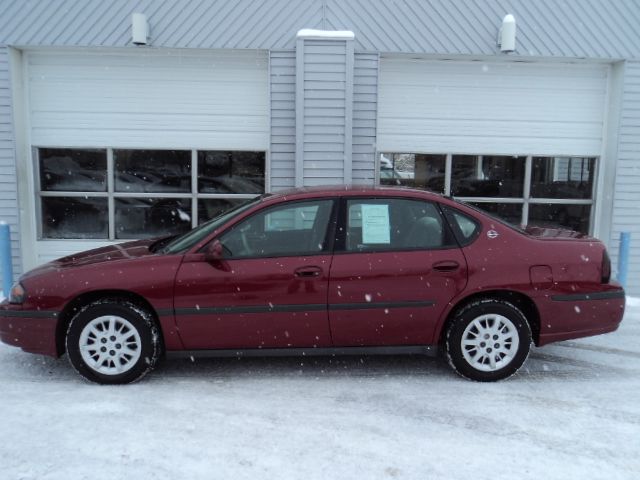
(304, 366)
(542, 364)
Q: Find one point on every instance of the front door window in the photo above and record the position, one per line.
(288, 230)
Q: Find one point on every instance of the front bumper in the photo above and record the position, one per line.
(33, 331)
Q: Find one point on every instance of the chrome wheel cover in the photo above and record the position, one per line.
(490, 342)
(110, 345)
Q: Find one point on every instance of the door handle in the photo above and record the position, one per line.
(307, 272)
(446, 266)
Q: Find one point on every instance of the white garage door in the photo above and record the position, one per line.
(162, 99)
(492, 108)
(181, 101)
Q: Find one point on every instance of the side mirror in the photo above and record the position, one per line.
(213, 252)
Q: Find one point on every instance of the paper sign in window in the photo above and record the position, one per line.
(375, 224)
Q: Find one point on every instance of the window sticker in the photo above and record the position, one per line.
(375, 224)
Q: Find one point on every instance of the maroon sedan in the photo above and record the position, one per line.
(321, 271)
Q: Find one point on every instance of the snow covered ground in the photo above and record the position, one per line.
(573, 412)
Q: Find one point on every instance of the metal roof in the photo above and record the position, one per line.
(548, 28)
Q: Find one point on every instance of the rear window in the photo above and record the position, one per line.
(465, 228)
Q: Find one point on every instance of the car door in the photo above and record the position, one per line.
(270, 288)
(395, 268)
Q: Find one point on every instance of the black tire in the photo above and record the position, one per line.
(132, 320)
(476, 363)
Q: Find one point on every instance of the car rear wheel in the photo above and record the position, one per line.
(488, 340)
(113, 342)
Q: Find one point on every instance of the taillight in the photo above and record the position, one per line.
(606, 267)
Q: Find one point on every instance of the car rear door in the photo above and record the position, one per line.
(270, 288)
(395, 268)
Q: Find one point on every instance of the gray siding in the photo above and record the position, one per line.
(324, 106)
(365, 104)
(8, 182)
(627, 189)
(554, 28)
(283, 119)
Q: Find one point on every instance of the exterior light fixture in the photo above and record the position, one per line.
(139, 29)
(507, 34)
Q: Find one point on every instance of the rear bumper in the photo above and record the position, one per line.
(32, 331)
(569, 316)
(559, 337)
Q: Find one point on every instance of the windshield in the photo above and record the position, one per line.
(189, 239)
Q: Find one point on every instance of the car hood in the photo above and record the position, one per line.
(544, 233)
(112, 253)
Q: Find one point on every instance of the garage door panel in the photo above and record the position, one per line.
(148, 57)
(146, 100)
(166, 139)
(495, 81)
(478, 107)
(495, 145)
(468, 102)
(531, 70)
(534, 129)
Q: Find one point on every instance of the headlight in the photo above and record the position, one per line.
(17, 293)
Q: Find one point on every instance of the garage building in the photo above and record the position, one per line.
(104, 140)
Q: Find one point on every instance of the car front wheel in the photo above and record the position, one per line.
(113, 342)
(488, 340)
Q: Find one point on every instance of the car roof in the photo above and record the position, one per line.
(331, 191)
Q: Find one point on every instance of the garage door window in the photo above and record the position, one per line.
(487, 176)
(152, 171)
(521, 189)
(136, 193)
(414, 170)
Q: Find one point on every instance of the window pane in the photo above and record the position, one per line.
(151, 217)
(73, 217)
(209, 208)
(394, 224)
(230, 172)
(298, 218)
(562, 177)
(73, 170)
(487, 176)
(413, 170)
(152, 171)
(509, 212)
(287, 230)
(465, 225)
(572, 217)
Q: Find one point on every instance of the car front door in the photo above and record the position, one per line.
(395, 268)
(270, 288)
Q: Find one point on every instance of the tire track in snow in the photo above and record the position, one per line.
(598, 349)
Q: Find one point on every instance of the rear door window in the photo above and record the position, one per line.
(379, 224)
